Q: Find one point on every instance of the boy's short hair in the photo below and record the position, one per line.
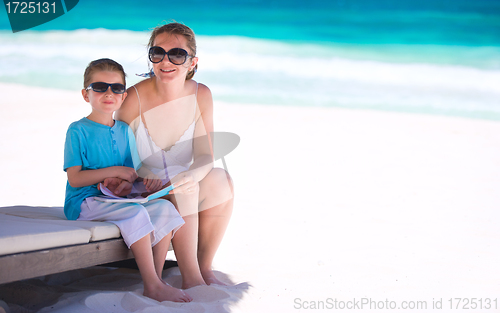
(102, 65)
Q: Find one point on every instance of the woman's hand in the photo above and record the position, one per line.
(152, 182)
(118, 186)
(184, 183)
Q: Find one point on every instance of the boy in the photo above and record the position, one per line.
(100, 149)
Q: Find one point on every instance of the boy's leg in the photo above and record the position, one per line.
(166, 222)
(154, 287)
(160, 251)
(134, 224)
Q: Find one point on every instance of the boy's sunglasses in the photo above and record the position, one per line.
(176, 56)
(102, 87)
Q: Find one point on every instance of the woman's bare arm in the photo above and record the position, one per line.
(202, 145)
(129, 110)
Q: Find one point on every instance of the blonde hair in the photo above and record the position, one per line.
(99, 66)
(177, 29)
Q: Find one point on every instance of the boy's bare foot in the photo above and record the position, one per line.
(165, 292)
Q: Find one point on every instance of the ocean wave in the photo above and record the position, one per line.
(240, 69)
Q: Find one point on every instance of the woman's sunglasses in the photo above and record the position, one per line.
(176, 56)
(102, 87)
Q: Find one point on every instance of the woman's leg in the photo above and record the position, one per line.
(185, 241)
(197, 241)
(216, 192)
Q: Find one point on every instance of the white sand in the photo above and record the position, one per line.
(331, 205)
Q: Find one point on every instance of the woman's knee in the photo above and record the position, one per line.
(219, 178)
(216, 188)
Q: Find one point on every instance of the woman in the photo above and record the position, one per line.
(167, 112)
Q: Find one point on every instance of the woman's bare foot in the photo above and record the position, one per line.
(190, 284)
(165, 292)
(210, 278)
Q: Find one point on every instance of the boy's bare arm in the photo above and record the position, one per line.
(79, 178)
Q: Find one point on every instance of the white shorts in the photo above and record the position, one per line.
(157, 218)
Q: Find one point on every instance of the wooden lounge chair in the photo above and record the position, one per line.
(38, 241)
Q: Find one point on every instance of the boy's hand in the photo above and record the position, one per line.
(152, 183)
(118, 186)
(126, 173)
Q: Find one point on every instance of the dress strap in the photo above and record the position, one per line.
(137, 92)
(195, 101)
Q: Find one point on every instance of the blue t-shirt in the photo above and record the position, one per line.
(93, 146)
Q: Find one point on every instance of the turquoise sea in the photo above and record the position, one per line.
(425, 56)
